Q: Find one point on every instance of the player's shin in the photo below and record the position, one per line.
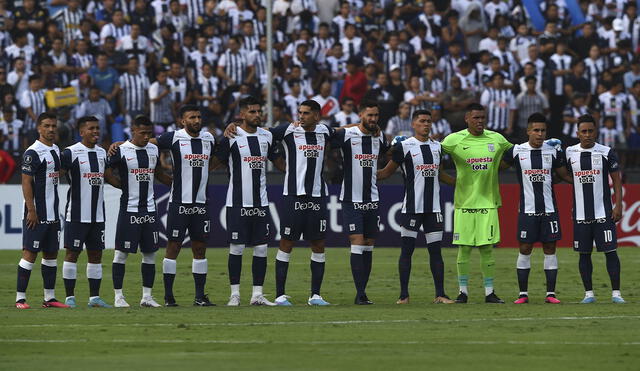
(357, 268)
(367, 263)
(585, 266)
(117, 271)
(94, 275)
(168, 276)
(436, 263)
(148, 271)
(462, 263)
(317, 272)
(488, 267)
(551, 272)
(282, 267)
(24, 273)
(235, 267)
(259, 268)
(613, 268)
(199, 268)
(523, 267)
(69, 275)
(49, 269)
(404, 262)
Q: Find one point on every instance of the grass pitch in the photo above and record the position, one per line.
(384, 336)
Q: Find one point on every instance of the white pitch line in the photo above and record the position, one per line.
(320, 323)
(327, 342)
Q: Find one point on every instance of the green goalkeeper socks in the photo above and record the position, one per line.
(487, 265)
(464, 253)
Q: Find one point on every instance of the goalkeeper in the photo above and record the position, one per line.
(476, 153)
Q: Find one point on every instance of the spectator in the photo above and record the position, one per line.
(416, 98)
(528, 102)
(117, 28)
(454, 101)
(608, 134)
(500, 105)
(294, 99)
(614, 103)
(11, 130)
(473, 25)
(633, 75)
(346, 116)
(329, 105)
(7, 167)
(136, 45)
(133, 90)
(32, 101)
(18, 78)
(355, 81)
(161, 102)
(233, 65)
(571, 114)
(99, 107)
(440, 127)
(400, 124)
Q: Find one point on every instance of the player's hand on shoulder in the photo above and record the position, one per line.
(397, 139)
(296, 123)
(113, 148)
(555, 143)
(231, 130)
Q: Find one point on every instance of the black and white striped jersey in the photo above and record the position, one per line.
(559, 62)
(235, 65)
(258, 59)
(420, 166)
(43, 164)
(395, 57)
(195, 8)
(590, 168)
(135, 88)
(448, 66)
(571, 129)
(207, 87)
(498, 104)
(197, 59)
(190, 157)
(534, 167)
(304, 158)
(592, 72)
(136, 167)
(360, 154)
(70, 21)
(246, 156)
(111, 29)
(616, 106)
(179, 88)
(85, 174)
(34, 100)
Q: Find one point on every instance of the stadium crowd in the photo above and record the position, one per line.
(128, 57)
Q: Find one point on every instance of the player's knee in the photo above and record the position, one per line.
(50, 255)
(148, 257)
(93, 256)
(199, 251)
(235, 249)
(260, 251)
(172, 250)
(526, 249)
(356, 239)
(317, 246)
(29, 256)
(286, 246)
(71, 256)
(120, 257)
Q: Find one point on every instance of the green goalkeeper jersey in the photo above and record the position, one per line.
(477, 160)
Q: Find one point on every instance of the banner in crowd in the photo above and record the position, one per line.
(11, 205)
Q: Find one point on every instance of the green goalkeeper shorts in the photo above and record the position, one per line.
(476, 227)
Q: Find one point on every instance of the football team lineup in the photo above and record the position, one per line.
(478, 155)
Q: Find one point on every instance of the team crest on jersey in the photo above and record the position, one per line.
(456, 236)
(547, 158)
(263, 146)
(491, 147)
(234, 235)
(127, 245)
(76, 243)
(175, 233)
(36, 244)
(597, 161)
(576, 245)
(287, 231)
(412, 223)
(27, 159)
(352, 227)
(523, 234)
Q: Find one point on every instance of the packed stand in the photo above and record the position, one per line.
(115, 59)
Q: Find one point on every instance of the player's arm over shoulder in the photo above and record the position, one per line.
(451, 141)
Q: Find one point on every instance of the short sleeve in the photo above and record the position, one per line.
(338, 139)
(223, 149)
(508, 156)
(504, 143)
(558, 160)
(397, 154)
(272, 152)
(612, 161)
(153, 91)
(65, 159)
(25, 102)
(113, 161)
(484, 98)
(384, 146)
(279, 131)
(30, 162)
(165, 140)
(448, 144)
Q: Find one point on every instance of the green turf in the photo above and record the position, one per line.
(384, 336)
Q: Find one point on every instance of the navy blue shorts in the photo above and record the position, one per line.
(361, 218)
(137, 230)
(600, 231)
(192, 217)
(248, 226)
(539, 228)
(303, 215)
(430, 222)
(44, 237)
(90, 235)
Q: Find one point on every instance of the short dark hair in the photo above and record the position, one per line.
(368, 103)
(34, 77)
(475, 107)
(419, 112)
(82, 121)
(45, 116)
(187, 108)
(530, 78)
(315, 106)
(141, 120)
(248, 101)
(587, 118)
(536, 117)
